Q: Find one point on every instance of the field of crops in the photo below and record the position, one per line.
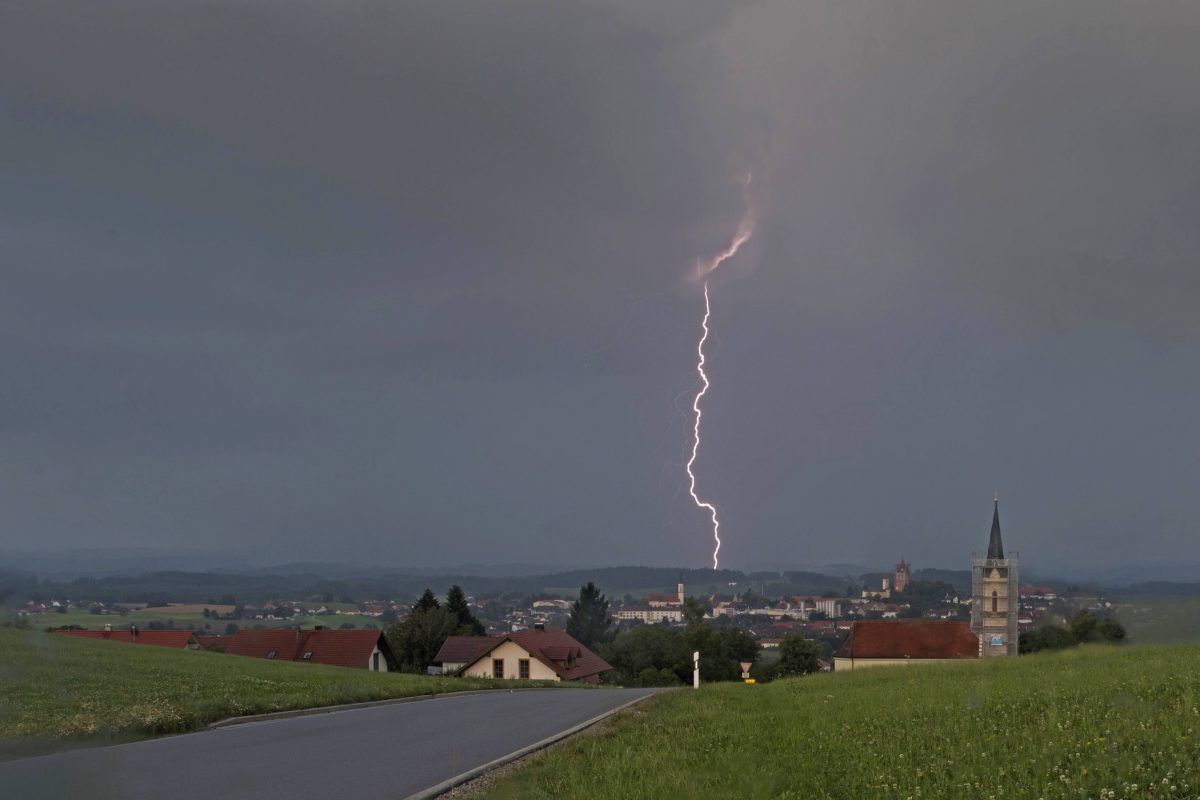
(54, 689)
(1092, 722)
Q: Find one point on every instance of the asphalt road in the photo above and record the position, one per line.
(384, 751)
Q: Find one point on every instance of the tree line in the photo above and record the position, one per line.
(1085, 627)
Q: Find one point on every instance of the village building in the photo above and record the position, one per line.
(995, 596)
(669, 600)
(541, 653)
(648, 614)
(657, 608)
(362, 648)
(873, 643)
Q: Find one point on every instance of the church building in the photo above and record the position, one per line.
(995, 596)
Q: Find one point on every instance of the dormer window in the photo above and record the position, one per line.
(271, 654)
(307, 655)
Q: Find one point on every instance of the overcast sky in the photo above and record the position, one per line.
(409, 284)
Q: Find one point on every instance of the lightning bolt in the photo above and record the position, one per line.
(712, 510)
(744, 231)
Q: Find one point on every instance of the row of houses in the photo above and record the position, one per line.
(360, 648)
(541, 653)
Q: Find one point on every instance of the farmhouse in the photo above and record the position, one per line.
(360, 648)
(876, 643)
(180, 640)
(540, 653)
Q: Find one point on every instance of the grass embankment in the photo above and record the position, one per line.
(56, 690)
(1092, 722)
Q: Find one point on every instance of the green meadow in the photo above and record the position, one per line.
(59, 691)
(1091, 722)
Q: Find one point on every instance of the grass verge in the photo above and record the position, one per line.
(58, 691)
(1092, 722)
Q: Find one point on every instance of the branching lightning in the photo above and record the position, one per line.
(744, 231)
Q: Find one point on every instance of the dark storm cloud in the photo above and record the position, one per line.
(279, 277)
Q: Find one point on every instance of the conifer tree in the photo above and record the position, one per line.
(589, 622)
(427, 602)
(456, 603)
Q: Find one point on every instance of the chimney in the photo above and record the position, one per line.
(133, 630)
(108, 627)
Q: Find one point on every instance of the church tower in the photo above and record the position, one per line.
(679, 588)
(901, 582)
(994, 595)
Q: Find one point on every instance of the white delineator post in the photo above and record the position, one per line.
(696, 670)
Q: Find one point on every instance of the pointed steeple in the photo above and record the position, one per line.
(995, 546)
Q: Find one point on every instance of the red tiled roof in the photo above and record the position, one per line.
(349, 648)
(285, 643)
(176, 639)
(339, 648)
(910, 638)
(461, 649)
(555, 648)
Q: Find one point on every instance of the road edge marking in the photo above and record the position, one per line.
(471, 774)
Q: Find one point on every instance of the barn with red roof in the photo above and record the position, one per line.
(873, 643)
(361, 648)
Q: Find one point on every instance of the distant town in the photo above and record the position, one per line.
(766, 607)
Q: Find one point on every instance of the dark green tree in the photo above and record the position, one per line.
(797, 656)
(645, 655)
(1047, 637)
(1110, 630)
(427, 602)
(720, 648)
(589, 622)
(1084, 626)
(456, 603)
(416, 639)
(693, 610)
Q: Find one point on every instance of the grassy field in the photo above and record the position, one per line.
(1092, 722)
(56, 690)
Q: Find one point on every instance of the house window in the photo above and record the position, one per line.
(271, 654)
(523, 669)
(497, 667)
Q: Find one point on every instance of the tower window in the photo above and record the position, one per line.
(995, 602)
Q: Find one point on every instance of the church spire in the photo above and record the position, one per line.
(995, 546)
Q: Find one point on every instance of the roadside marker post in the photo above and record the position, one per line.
(696, 670)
